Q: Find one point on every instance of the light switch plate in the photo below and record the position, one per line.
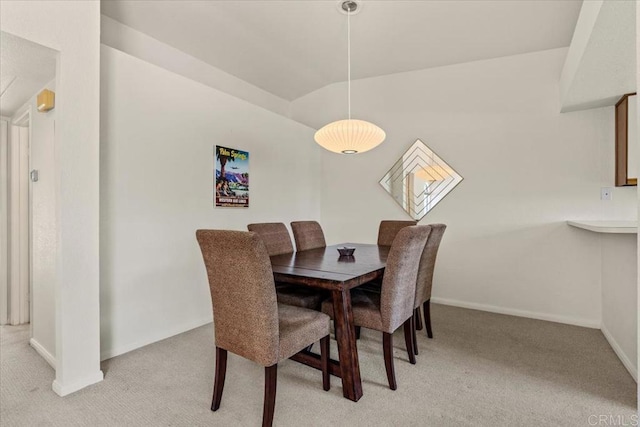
(606, 193)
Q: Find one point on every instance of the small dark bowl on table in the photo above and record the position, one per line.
(346, 251)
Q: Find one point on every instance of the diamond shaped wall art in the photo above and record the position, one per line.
(419, 180)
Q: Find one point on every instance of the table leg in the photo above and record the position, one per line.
(347, 350)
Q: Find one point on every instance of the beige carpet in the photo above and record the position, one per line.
(480, 369)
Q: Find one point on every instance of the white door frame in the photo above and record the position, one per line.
(19, 219)
(4, 220)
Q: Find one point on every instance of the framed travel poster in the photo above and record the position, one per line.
(231, 177)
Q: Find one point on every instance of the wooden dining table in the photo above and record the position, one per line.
(323, 268)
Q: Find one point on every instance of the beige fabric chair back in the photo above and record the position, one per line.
(245, 311)
(308, 235)
(275, 237)
(428, 264)
(389, 229)
(400, 276)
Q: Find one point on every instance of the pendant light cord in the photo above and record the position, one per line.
(349, 60)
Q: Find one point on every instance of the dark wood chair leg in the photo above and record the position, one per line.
(418, 317)
(324, 361)
(218, 383)
(387, 346)
(358, 332)
(427, 317)
(408, 339)
(415, 338)
(270, 382)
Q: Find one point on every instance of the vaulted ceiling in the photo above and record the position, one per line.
(293, 47)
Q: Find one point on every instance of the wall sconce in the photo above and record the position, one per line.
(46, 100)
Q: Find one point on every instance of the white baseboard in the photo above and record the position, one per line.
(39, 348)
(65, 389)
(113, 352)
(621, 354)
(520, 313)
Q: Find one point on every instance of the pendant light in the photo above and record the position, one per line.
(349, 136)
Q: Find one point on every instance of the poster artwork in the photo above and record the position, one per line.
(231, 177)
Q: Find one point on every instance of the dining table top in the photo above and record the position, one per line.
(325, 268)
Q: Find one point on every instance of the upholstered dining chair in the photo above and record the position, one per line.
(277, 240)
(425, 279)
(388, 230)
(275, 236)
(308, 235)
(247, 319)
(393, 307)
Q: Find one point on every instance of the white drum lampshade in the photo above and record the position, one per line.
(349, 136)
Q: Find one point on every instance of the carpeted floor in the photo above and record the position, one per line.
(481, 369)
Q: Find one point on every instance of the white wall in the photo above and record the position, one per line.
(158, 132)
(638, 189)
(600, 65)
(43, 228)
(527, 170)
(618, 263)
(73, 29)
(599, 68)
(19, 223)
(619, 296)
(4, 219)
(140, 45)
(585, 25)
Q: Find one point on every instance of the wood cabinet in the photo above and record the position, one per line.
(626, 141)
